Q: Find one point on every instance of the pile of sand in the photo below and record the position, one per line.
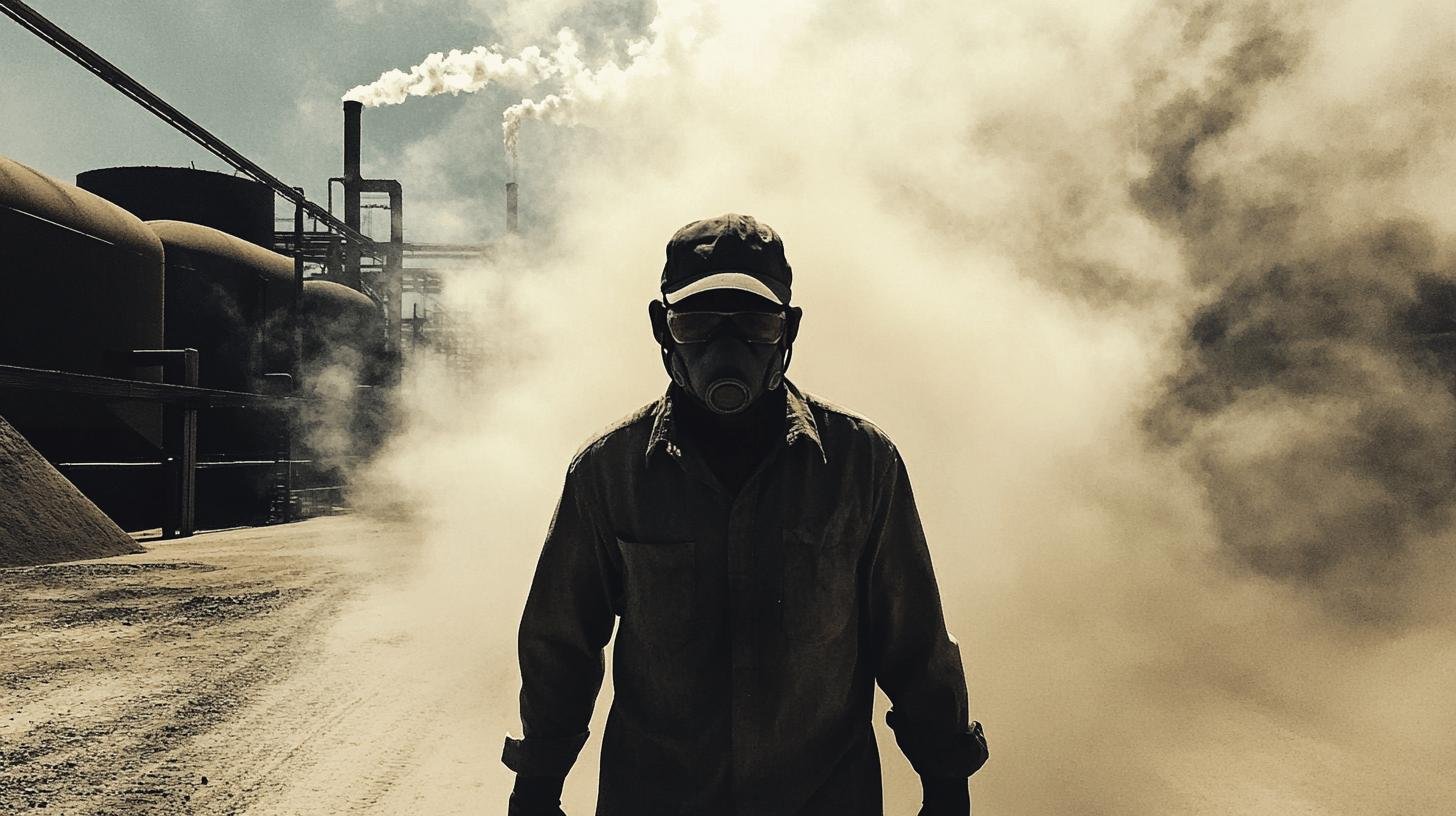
(43, 517)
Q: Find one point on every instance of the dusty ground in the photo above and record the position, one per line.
(252, 670)
(344, 666)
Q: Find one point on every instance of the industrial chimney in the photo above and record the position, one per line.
(512, 224)
(352, 114)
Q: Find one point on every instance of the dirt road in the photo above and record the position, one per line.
(350, 666)
(261, 670)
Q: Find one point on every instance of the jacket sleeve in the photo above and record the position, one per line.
(566, 624)
(917, 662)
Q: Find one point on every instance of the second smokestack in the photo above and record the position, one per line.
(511, 219)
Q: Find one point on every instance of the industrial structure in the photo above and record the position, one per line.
(180, 357)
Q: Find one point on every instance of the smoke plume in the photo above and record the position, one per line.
(470, 71)
(1143, 292)
(579, 86)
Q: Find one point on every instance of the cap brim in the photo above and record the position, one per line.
(741, 281)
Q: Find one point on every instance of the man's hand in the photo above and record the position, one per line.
(945, 797)
(536, 796)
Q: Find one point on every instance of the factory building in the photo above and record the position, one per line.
(174, 361)
(178, 358)
(194, 297)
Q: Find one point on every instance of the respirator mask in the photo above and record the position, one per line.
(727, 360)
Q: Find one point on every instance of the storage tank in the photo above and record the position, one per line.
(236, 205)
(229, 299)
(341, 327)
(83, 278)
(83, 287)
(343, 367)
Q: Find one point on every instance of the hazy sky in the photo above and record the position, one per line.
(267, 78)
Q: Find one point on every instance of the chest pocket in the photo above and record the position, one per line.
(659, 591)
(819, 589)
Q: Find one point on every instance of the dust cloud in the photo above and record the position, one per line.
(1129, 284)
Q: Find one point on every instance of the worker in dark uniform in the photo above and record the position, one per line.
(763, 554)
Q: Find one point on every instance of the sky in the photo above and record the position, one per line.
(267, 78)
(1131, 285)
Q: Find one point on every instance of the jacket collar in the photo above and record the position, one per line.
(800, 424)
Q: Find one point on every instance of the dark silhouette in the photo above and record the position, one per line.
(763, 553)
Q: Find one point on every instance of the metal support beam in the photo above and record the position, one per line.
(285, 442)
(463, 250)
(20, 378)
(318, 246)
(295, 308)
(179, 440)
(393, 283)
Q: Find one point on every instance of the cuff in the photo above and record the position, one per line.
(946, 795)
(938, 753)
(542, 756)
(536, 795)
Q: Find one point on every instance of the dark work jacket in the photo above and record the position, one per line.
(753, 628)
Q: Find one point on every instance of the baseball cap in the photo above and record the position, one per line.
(730, 251)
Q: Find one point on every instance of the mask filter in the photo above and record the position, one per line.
(728, 395)
(725, 394)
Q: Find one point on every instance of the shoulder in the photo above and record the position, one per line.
(628, 432)
(842, 427)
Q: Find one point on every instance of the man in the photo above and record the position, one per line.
(763, 553)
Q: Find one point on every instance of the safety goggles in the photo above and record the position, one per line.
(700, 327)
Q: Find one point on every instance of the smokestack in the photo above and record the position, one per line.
(511, 220)
(352, 115)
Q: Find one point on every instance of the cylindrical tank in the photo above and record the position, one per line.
(228, 299)
(83, 287)
(342, 365)
(82, 278)
(233, 204)
(341, 327)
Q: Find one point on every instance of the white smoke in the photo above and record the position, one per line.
(580, 87)
(673, 31)
(470, 71)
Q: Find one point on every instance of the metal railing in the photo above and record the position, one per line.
(181, 403)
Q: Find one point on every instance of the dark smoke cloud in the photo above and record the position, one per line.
(1171, 193)
(1307, 398)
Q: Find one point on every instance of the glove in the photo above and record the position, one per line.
(945, 796)
(536, 796)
